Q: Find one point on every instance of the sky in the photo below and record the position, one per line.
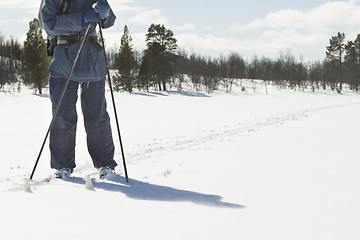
(212, 28)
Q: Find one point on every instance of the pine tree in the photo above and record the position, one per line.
(34, 60)
(335, 54)
(352, 63)
(160, 55)
(357, 61)
(125, 63)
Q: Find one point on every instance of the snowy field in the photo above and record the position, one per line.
(233, 166)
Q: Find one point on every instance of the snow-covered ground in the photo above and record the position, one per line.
(222, 166)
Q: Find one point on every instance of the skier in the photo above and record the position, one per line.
(67, 21)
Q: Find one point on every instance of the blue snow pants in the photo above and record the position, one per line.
(97, 123)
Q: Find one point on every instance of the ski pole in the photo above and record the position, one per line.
(113, 101)
(60, 100)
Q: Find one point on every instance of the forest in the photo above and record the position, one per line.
(163, 66)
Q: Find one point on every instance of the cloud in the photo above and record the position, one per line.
(184, 27)
(20, 4)
(124, 6)
(148, 17)
(270, 44)
(199, 43)
(113, 40)
(310, 29)
(290, 37)
(335, 13)
(303, 31)
(327, 15)
(281, 19)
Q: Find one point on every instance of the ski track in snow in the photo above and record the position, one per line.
(203, 168)
(163, 146)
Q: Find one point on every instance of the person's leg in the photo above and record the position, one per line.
(97, 124)
(63, 131)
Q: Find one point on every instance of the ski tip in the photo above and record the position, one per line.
(27, 187)
(88, 184)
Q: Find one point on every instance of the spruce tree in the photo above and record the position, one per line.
(125, 63)
(34, 60)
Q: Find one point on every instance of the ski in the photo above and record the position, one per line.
(87, 181)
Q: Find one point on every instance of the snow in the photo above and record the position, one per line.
(242, 165)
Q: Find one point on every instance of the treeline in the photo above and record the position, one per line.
(341, 66)
(26, 63)
(10, 52)
(162, 66)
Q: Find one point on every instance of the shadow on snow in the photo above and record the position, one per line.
(146, 191)
(167, 93)
(42, 95)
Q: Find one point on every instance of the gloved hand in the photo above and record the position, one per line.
(91, 16)
(102, 8)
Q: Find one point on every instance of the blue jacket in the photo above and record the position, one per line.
(91, 65)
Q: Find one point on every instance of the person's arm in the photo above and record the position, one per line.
(106, 14)
(56, 24)
(109, 21)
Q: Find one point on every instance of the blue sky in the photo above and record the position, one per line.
(213, 27)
